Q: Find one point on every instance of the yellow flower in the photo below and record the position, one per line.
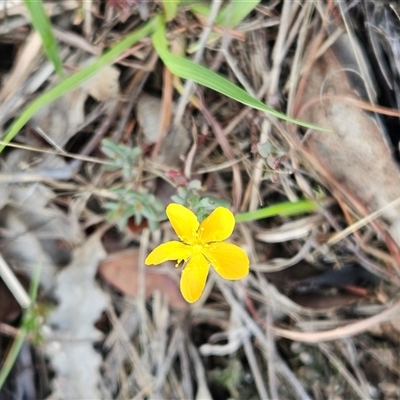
(201, 246)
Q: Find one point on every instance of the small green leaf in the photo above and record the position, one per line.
(265, 149)
(134, 203)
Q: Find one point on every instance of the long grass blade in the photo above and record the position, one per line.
(187, 69)
(171, 8)
(75, 80)
(42, 25)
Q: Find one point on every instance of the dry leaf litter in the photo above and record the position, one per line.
(318, 315)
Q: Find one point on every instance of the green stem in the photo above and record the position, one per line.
(12, 356)
(23, 331)
(282, 209)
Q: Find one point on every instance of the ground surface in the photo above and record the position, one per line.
(87, 176)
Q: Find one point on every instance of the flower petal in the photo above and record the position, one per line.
(194, 276)
(217, 226)
(168, 251)
(184, 222)
(230, 261)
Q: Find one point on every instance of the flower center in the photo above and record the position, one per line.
(197, 248)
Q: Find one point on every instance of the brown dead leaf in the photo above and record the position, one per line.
(355, 158)
(121, 271)
(37, 232)
(104, 85)
(80, 304)
(60, 119)
(24, 65)
(174, 144)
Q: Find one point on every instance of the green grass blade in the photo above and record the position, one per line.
(187, 69)
(230, 15)
(23, 331)
(12, 356)
(42, 25)
(235, 12)
(170, 8)
(75, 80)
(283, 209)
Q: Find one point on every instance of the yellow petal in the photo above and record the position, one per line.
(230, 261)
(194, 277)
(217, 226)
(168, 251)
(184, 222)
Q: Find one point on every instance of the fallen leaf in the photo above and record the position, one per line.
(175, 143)
(355, 158)
(36, 232)
(104, 85)
(121, 271)
(60, 119)
(80, 304)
